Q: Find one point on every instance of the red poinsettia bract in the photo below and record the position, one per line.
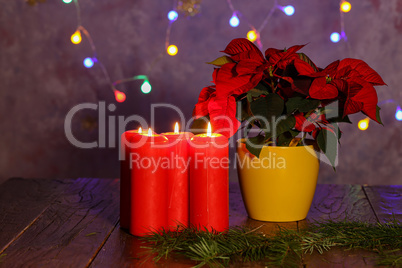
(289, 74)
(350, 81)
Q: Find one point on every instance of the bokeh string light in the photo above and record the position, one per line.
(363, 124)
(398, 114)
(234, 20)
(145, 86)
(288, 10)
(344, 7)
(172, 15)
(89, 62)
(172, 50)
(254, 33)
(184, 6)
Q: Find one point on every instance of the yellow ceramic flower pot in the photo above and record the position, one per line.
(278, 186)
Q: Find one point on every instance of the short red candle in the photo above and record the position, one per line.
(148, 184)
(125, 177)
(178, 196)
(209, 182)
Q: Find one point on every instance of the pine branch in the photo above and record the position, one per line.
(285, 248)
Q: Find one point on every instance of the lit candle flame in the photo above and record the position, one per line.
(149, 132)
(176, 128)
(140, 130)
(209, 130)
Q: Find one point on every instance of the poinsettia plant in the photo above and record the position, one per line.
(286, 96)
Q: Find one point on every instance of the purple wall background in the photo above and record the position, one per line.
(42, 76)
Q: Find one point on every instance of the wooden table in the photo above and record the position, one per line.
(75, 223)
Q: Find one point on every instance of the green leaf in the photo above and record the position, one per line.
(282, 126)
(242, 110)
(221, 61)
(255, 93)
(328, 143)
(262, 86)
(285, 138)
(378, 115)
(255, 144)
(268, 108)
(334, 113)
(301, 104)
(338, 132)
(340, 119)
(251, 123)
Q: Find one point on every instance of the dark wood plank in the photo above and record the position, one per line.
(341, 258)
(72, 230)
(386, 201)
(22, 201)
(125, 250)
(237, 211)
(339, 202)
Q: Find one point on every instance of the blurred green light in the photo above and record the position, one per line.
(146, 87)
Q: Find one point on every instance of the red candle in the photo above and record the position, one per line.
(178, 199)
(125, 177)
(209, 186)
(148, 183)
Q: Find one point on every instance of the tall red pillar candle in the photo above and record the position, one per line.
(125, 177)
(148, 183)
(178, 197)
(209, 182)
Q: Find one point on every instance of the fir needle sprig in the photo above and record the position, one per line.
(285, 248)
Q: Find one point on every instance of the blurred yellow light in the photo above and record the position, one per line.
(252, 35)
(363, 124)
(172, 50)
(140, 130)
(176, 128)
(149, 132)
(76, 37)
(345, 6)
